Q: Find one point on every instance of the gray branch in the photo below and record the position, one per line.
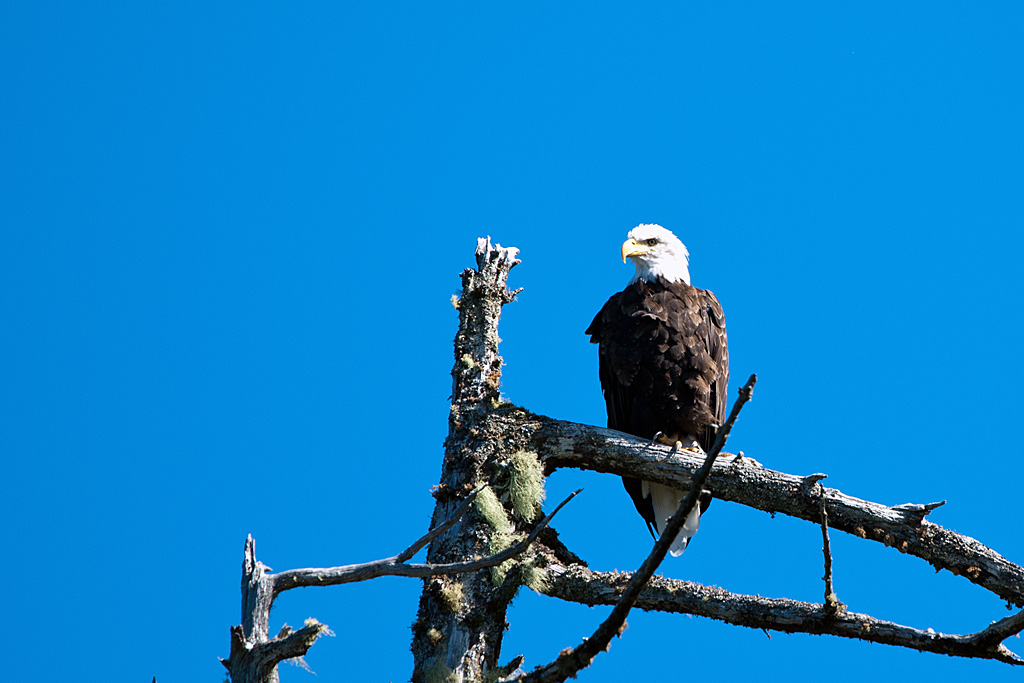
(250, 661)
(395, 566)
(998, 631)
(904, 527)
(576, 583)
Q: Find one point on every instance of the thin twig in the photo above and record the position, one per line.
(832, 604)
(391, 566)
(569, 662)
(440, 528)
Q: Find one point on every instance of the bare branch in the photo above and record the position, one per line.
(568, 444)
(257, 594)
(257, 662)
(832, 604)
(998, 631)
(254, 657)
(391, 566)
(579, 584)
(569, 662)
(444, 526)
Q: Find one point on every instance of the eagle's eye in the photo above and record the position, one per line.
(651, 242)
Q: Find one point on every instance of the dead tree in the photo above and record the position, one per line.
(487, 538)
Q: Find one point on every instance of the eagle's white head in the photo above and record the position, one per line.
(656, 252)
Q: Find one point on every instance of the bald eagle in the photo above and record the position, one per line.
(664, 365)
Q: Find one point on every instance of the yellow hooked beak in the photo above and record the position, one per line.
(632, 248)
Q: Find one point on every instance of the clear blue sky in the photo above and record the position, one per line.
(231, 233)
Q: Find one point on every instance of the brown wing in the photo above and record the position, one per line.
(718, 351)
(664, 361)
(664, 365)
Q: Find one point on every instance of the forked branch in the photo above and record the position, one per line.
(254, 657)
(396, 565)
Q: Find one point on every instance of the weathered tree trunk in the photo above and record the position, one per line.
(461, 619)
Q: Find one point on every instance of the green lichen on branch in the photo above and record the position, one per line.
(451, 594)
(508, 409)
(502, 532)
(526, 485)
(500, 672)
(499, 542)
(493, 512)
(535, 578)
(437, 672)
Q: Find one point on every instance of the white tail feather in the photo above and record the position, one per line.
(665, 500)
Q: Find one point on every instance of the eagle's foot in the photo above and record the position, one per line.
(656, 439)
(692, 448)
